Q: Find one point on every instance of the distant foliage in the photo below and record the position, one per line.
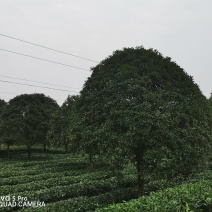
(2, 105)
(59, 131)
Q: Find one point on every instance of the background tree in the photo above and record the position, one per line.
(29, 116)
(55, 129)
(2, 105)
(4, 133)
(67, 112)
(210, 100)
(210, 103)
(59, 127)
(139, 106)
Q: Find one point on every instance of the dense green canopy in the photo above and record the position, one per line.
(140, 105)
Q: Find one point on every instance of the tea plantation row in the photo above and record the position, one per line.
(187, 197)
(65, 183)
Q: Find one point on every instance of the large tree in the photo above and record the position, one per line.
(141, 106)
(28, 117)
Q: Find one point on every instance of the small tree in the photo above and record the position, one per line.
(210, 103)
(55, 129)
(29, 116)
(59, 127)
(2, 105)
(210, 100)
(5, 137)
(139, 106)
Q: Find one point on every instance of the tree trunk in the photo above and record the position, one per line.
(28, 152)
(44, 146)
(66, 147)
(8, 151)
(90, 161)
(140, 185)
(139, 153)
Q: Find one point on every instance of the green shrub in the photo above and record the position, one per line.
(44, 182)
(84, 203)
(83, 188)
(187, 197)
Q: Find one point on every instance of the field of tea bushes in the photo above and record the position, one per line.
(66, 183)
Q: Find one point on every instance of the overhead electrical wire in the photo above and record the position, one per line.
(46, 60)
(55, 50)
(36, 81)
(84, 58)
(6, 98)
(7, 92)
(47, 84)
(36, 86)
(38, 58)
(20, 94)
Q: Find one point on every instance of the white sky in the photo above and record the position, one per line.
(180, 29)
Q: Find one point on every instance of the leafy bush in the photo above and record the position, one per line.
(187, 197)
(50, 182)
(84, 203)
(15, 180)
(12, 171)
(83, 188)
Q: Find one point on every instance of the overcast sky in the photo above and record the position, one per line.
(180, 29)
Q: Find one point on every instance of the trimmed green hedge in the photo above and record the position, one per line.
(84, 203)
(11, 168)
(54, 180)
(187, 197)
(43, 176)
(84, 188)
(57, 167)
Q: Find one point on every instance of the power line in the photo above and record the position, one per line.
(8, 92)
(36, 81)
(52, 98)
(38, 58)
(36, 86)
(84, 58)
(6, 98)
(20, 94)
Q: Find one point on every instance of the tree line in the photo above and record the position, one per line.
(137, 107)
